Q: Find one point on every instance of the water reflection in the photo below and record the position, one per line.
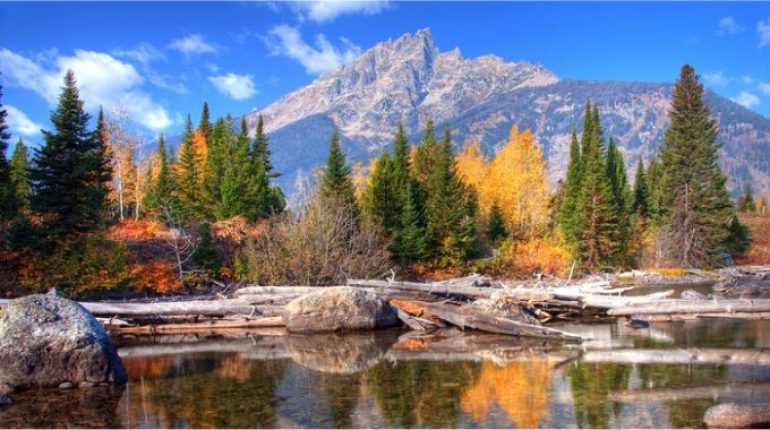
(622, 378)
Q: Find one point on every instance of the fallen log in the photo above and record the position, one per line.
(464, 317)
(691, 306)
(738, 315)
(732, 415)
(444, 289)
(214, 308)
(679, 356)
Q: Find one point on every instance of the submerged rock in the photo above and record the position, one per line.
(47, 341)
(338, 309)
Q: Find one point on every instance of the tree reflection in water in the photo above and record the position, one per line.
(591, 383)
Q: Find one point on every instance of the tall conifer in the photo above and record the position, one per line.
(641, 191)
(22, 185)
(568, 218)
(8, 204)
(336, 183)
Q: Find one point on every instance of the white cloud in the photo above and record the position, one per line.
(239, 87)
(728, 25)
(102, 80)
(746, 99)
(144, 53)
(193, 44)
(763, 87)
(287, 41)
(717, 79)
(20, 123)
(322, 11)
(763, 32)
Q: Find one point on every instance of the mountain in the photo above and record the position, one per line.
(408, 79)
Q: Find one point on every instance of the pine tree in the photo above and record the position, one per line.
(450, 209)
(697, 207)
(599, 230)
(218, 157)
(382, 199)
(205, 123)
(8, 203)
(159, 199)
(187, 180)
(409, 243)
(426, 157)
(621, 191)
(641, 191)
(655, 186)
(746, 202)
(496, 225)
(568, 216)
(22, 185)
(261, 150)
(336, 184)
(70, 171)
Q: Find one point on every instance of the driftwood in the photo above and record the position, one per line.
(464, 317)
(213, 308)
(732, 415)
(692, 306)
(444, 289)
(200, 326)
(660, 395)
(679, 356)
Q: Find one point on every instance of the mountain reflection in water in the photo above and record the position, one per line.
(665, 376)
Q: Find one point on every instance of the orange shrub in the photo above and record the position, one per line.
(538, 255)
(157, 276)
(759, 250)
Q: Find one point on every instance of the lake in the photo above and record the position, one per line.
(663, 376)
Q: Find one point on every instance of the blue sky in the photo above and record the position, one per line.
(160, 61)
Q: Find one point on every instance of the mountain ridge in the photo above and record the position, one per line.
(407, 79)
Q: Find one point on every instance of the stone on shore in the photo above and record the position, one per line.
(47, 341)
(338, 309)
(734, 416)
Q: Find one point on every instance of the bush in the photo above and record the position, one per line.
(546, 255)
(321, 245)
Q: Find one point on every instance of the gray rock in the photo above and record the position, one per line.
(46, 341)
(66, 385)
(339, 353)
(692, 295)
(338, 309)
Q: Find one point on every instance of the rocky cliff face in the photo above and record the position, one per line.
(408, 79)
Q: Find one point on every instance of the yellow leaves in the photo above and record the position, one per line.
(362, 175)
(515, 178)
(200, 148)
(537, 255)
(520, 389)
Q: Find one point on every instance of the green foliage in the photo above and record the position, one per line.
(22, 186)
(8, 203)
(600, 232)
(261, 151)
(71, 170)
(697, 206)
(206, 255)
(188, 190)
(738, 239)
(409, 242)
(450, 210)
(746, 202)
(336, 182)
(568, 217)
(205, 123)
(641, 191)
(496, 230)
(426, 156)
(160, 199)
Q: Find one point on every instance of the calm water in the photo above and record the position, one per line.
(621, 378)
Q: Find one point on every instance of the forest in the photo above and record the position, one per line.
(87, 215)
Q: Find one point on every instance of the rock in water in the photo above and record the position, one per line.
(732, 415)
(338, 309)
(692, 295)
(46, 341)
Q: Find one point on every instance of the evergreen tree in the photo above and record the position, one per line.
(159, 199)
(187, 188)
(450, 209)
(600, 232)
(261, 151)
(382, 199)
(22, 186)
(336, 183)
(205, 123)
(746, 202)
(697, 207)
(616, 171)
(568, 217)
(496, 225)
(655, 186)
(641, 191)
(206, 254)
(426, 156)
(8, 203)
(218, 161)
(409, 243)
(70, 171)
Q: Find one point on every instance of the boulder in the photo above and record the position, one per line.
(47, 341)
(736, 416)
(338, 309)
(692, 295)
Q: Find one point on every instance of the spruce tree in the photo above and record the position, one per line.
(746, 202)
(698, 209)
(261, 151)
(409, 242)
(205, 123)
(220, 152)
(621, 191)
(600, 232)
(70, 171)
(450, 209)
(568, 217)
(336, 183)
(8, 203)
(160, 200)
(641, 191)
(496, 225)
(426, 156)
(655, 186)
(382, 197)
(187, 188)
(22, 186)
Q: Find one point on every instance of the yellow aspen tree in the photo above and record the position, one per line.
(473, 167)
(200, 148)
(121, 144)
(517, 181)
